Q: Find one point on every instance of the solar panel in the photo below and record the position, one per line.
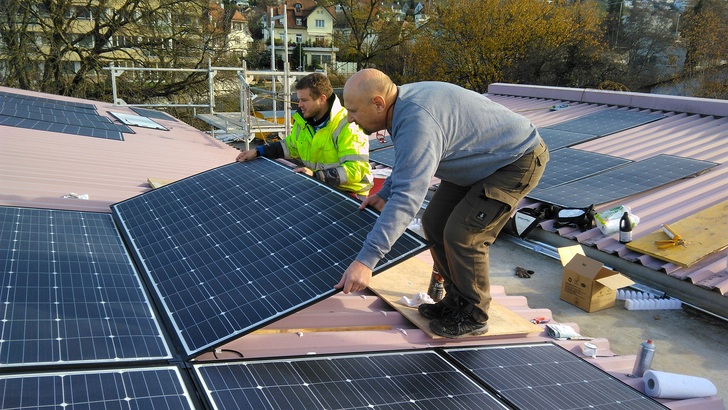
(606, 122)
(556, 139)
(383, 156)
(156, 388)
(412, 380)
(622, 182)
(237, 247)
(69, 292)
(138, 121)
(63, 117)
(376, 143)
(569, 164)
(153, 114)
(545, 376)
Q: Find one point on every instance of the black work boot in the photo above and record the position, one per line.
(458, 322)
(436, 310)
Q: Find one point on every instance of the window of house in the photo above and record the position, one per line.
(320, 23)
(298, 7)
(299, 38)
(299, 21)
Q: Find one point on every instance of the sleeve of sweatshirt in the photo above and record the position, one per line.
(418, 148)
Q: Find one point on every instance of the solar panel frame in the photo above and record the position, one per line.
(413, 379)
(545, 375)
(196, 231)
(70, 292)
(160, 115)
(156, 388)
(621, 182)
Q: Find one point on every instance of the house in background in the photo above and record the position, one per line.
(309, 25)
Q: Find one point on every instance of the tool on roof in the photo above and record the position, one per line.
(675, 238)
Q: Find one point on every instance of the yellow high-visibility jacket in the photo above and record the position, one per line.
(338, 152)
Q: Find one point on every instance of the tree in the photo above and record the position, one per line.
(645, 37)
(371, 31)
(62, 46)
(704, 31)
(476, 42)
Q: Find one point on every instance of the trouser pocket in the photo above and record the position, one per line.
(488, 208)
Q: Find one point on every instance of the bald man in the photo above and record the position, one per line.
(487, 157)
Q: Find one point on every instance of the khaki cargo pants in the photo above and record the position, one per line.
(463, 221)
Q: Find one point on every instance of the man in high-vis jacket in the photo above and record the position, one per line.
(331, 149)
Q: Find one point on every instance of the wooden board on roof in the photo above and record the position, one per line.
(413, 276)
(704, 233)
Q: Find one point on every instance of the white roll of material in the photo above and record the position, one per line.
(664, 385)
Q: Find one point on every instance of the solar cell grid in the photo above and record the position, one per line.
(606, 122)
(547, 376)
(417, 380)
(568, 164)
(383, 156)
(234, 248)
(156, 388)
(70, 292)
(153, 114)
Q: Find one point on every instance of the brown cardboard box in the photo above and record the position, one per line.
(586, 283)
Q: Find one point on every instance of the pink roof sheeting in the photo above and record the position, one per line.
(693, 128)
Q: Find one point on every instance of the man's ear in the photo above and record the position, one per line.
(379, 103)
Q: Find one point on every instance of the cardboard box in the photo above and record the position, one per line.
(586, 283)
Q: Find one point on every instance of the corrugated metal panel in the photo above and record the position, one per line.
(37, 168)
(688, 134)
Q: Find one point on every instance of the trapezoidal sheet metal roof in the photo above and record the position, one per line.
(39, 167)
(691, 127)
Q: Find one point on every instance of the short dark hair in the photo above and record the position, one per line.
(318, 83)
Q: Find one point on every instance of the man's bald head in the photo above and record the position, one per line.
(369, 95)
(369, 82)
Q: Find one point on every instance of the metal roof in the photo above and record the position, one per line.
(692, 127)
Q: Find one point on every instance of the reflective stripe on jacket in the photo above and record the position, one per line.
(338, 145)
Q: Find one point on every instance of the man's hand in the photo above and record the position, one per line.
(304, 170)
(247, 155)
(375, 201)
(356, 278)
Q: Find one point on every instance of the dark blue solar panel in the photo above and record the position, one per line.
(545, 376)
(376, 143)
(57, 116)
(156, 388)
(412, 380)
(234, 248)
(568, 164)
(606, 122)
(556, 139)
(383, 156)
(622, 182)
(69, 292)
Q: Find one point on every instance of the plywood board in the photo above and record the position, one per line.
(156, 182)
(413, 276)
(704, 232)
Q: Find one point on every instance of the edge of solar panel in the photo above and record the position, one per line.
(127, 119)
(149, 256)
(79, 245)
(539, 385)
(421, 379)
(160, 387)
(161, 115)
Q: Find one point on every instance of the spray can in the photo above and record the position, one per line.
(644, 358)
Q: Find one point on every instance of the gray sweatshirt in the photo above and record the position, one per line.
(442, 130)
